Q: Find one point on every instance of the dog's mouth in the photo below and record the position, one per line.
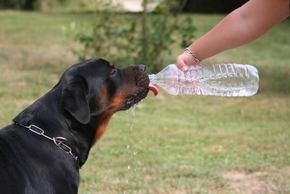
(144, 86)
(143, 80)
(140, 94)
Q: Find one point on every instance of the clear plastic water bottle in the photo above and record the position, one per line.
(214, 80)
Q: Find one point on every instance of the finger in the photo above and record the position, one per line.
(181, 64)
(184, 68)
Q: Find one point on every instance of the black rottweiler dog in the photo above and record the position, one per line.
(50, 140)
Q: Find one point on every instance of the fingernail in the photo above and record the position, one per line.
(184, 68)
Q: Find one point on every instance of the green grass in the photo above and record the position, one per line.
(171, 144)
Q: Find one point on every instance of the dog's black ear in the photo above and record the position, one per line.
(74, 100)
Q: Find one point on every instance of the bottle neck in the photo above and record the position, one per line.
(152, 78)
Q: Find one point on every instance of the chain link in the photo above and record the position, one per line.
(58, 141)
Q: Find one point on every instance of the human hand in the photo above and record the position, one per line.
(184, 60)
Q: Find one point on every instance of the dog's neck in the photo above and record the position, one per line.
(79, 137)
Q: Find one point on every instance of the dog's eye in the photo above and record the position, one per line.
(113, 72)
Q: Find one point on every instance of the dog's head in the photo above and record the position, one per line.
(96, 87)
(82, 103)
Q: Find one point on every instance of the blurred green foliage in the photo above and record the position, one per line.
(136, 38)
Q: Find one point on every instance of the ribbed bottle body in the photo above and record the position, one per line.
(214, 80)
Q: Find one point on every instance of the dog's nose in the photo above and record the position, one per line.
(142, 67)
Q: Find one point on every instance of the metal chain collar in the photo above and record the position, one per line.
(58, 141)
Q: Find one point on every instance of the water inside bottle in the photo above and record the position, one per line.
(217, 80)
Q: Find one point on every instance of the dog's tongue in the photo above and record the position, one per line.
(154, 89)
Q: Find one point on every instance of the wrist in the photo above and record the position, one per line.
(188, 50)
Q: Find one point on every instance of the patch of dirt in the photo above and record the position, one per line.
(249, 183)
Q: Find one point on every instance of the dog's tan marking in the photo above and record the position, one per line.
(104, 92)
(111, 64)
(102, 127)
(113, 108)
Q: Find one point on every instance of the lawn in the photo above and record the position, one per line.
(166, 144)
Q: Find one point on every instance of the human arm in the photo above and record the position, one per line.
(240, 27)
